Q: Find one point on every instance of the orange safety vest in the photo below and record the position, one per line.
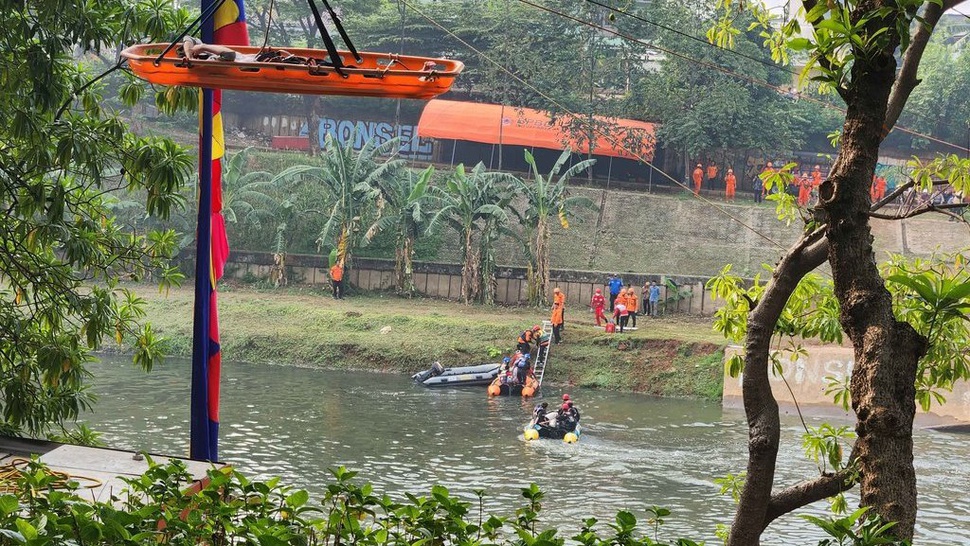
(557, 315)
(559, 299)
(698, 175)
(632, 301)
(337, 272)
(730, 182)
(711, 171)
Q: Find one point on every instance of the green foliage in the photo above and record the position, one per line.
(473, 205)
(66, 161)
(823, 445)
(856, 529)
(934, 297)
(229, 508)
(546, 195)
(701, 108)
(405, 207)
(951, 169)
(732, 484)
(350, 183)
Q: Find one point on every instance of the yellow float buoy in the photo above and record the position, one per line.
(531, 434)
(570, 438)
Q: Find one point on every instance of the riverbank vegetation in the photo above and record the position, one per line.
(669, 356)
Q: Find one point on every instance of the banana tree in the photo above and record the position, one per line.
(469, 201)
(406, 206)
(246, 195)
(350, 181)
(547, 195)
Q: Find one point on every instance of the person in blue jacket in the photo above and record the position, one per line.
(615, 283)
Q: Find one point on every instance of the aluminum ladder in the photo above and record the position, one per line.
(539, 368)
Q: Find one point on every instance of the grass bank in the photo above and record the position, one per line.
(669, 356)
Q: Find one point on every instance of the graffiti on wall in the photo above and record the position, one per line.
(357, 133)
(812, 372)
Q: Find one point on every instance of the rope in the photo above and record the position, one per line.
(269, 23)
(12, 472)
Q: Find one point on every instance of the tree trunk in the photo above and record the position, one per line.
(886, 351)
(469, 270)
(312, 103)
(540, 277)
(760, 406)
(404, 266)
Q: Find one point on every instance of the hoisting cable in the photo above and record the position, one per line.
(269, 23)
(343, 33)
(338, 64)
(199, 21)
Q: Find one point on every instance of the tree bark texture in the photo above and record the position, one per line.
(886, 351)
(469, 270)
(542, 259)
(404, 266)
(760, 406)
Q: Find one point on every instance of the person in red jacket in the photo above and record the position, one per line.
(597, 304)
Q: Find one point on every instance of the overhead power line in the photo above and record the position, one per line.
(690, 36)
(729, 72)
(593, 128)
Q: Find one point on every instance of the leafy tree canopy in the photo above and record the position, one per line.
(62, 156)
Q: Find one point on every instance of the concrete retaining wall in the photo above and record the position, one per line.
(806, 378)
(439, 280)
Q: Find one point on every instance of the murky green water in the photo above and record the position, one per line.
(636, 451)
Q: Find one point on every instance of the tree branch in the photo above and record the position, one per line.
(906, 80)
(801, 494)
(760, 407)
(928, 207)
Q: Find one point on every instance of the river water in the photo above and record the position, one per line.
(636, 451)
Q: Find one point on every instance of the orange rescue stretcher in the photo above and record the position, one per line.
(379, 75)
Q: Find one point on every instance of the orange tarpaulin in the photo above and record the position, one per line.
(493, 124)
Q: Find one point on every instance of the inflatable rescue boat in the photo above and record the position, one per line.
(459, 376)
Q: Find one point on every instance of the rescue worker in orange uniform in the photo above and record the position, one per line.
(880, 188)
(620, 313)
(596, 305)
(816, 177)
(557, 320)
(698, 178)
(632, 304)
(711, 175)
(337, 280)
(559, 298)
(769, 170)
(804, 190)
(730, 185)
